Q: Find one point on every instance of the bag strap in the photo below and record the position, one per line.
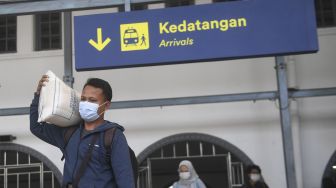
(67, 135)
(85, 161)
(108, 138)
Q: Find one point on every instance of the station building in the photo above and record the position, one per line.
(220, 138)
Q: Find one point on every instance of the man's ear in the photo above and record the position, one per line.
(107, 105)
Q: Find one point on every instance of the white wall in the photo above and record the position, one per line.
(252, 127)
(19, 72)
(317, 115)
(187, 79)
(19, 75)
(19, 127)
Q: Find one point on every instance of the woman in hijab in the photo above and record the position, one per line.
(188, 176)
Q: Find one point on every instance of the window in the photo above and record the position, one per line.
(7, 34)
(139, 6)
(216, 1)
(48, 31)
(212, 157)
(23, 167)
(325, 13)
(176, 3)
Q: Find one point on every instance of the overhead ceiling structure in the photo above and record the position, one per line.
(14, 1)
(20, 7)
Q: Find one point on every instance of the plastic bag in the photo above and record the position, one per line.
(58, 103)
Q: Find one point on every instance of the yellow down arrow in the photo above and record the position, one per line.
(100, 45)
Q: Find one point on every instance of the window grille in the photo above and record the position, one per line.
(23, 167)
(176, 3)
(325, 13)
(7, 34)
(139, 6)
(22, 170)
(230, 168)
(48, 31)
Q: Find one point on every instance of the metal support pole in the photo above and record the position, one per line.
(267, 95)
(41, 176)
(286, 127)
(149, 177)
(68, 76)
(229, 169)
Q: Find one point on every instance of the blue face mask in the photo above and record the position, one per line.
(89, 111)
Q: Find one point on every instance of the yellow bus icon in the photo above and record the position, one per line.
(131, 37)
(134, 36)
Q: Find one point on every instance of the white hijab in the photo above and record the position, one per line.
(191, 182)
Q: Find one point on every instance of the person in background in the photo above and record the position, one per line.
(188, 176)
(254, 178)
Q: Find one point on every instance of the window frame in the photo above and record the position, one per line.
(139, 6)
(178, 3)
(47, 165)
(6, 26)
(50, 36)
(322, 9)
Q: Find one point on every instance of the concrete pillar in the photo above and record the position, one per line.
(25, 34)
(156, 5)
(200, 2)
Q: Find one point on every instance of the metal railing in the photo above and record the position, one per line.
(237, 174)
(27, 175)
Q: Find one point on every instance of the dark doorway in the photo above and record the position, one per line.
(329, 176)
(218, 163)
(211, 169)
(22, 167)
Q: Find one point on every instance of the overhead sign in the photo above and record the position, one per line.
(228, 30)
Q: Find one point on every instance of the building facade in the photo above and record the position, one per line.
(220, 138)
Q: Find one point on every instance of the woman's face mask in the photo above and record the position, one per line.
(255, 177)
(184, 175)
(89, 111)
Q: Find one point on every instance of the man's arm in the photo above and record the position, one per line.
(121, 162)
(46, 132)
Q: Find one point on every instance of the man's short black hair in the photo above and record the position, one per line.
(253, 167)
(102, 84)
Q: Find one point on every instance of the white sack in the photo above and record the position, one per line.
(58, 103)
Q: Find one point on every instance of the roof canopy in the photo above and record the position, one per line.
(19, 7)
